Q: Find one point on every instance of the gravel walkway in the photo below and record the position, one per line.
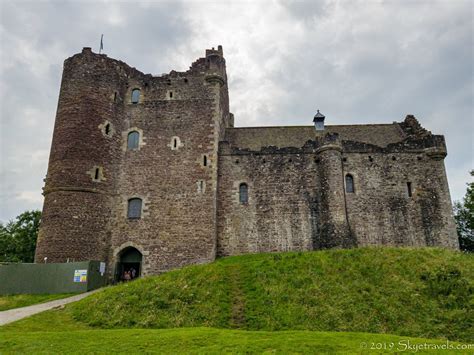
(15, 314)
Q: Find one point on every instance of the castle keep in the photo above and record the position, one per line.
(150, 171)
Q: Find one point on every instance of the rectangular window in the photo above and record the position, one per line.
(134, 208)
(409, 190)
(133, 140)
(243, 194)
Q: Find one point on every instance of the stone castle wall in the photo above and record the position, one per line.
(190, 162)
(298, 200)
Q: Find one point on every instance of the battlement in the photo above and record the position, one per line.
(213, 52)
(213, 62)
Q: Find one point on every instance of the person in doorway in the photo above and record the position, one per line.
(133, 272)
(127, 276)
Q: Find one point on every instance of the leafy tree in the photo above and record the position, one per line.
(18, 238)
(464, 216)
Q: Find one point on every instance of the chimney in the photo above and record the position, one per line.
(319, 121)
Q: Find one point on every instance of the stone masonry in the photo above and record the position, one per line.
(190, 162)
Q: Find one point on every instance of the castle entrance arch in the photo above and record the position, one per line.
(129, 266)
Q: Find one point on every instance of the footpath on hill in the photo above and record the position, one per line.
(15, 314)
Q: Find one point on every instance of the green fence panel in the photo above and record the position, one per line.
(51, 278)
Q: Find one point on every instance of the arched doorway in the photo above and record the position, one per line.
(130, 262)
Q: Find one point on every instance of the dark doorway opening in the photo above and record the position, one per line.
(129, 265)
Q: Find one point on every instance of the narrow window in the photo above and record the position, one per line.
(243, 194)
(204, 161)
(171, 94)
(115, 96)
(107, 129)
(134, 208)
(409, 190)
(133, 139)
(175, 143)
(349, 183)
(96, 175)
(201, 186)
(135, 96)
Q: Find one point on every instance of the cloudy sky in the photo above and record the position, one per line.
(357, 61)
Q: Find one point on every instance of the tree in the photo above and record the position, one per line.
(18, 238)
(464, 216)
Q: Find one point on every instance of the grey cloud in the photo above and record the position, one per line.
(357, 61)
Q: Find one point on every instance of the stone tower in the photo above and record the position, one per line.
(94, 171)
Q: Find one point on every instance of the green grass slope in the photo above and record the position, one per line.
(409, 292)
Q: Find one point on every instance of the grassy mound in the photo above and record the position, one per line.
(411, 292)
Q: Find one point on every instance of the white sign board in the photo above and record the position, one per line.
(80, 275)
(102, 268)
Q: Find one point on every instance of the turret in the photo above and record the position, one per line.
(334, 228)
(83, 161)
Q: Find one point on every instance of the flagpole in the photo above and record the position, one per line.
(101, 43)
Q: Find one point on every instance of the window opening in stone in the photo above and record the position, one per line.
(204, 161)
(96, 175)
(134, 208)
(409, 189)
(349, 183)
(115, 96)
(133, 139)
(171, 94)
(175, 143)
(135, 96)
(107, 129)
(243, 194)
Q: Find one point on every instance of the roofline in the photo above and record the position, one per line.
(312, 126)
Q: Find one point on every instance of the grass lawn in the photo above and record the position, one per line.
(213, 341)
(17, 301)
(57, 332)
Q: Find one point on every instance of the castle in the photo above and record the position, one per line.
(150, 172)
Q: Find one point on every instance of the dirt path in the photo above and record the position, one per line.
(15, 314)
(238, 298)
